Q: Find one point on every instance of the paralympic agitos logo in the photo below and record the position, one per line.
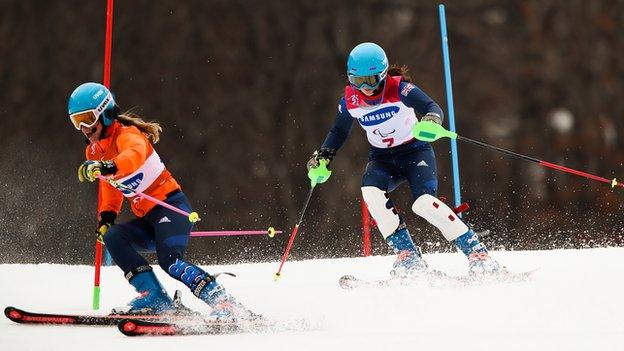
(378, 116)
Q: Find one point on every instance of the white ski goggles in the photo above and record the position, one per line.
(84, 119)
(371, 82)
(89, 118)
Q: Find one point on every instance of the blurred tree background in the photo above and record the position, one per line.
(246, 90)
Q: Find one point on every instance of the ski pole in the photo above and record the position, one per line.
(192, 217)
(294, 233)
(317, 175)
(270, 232)
(429, 131)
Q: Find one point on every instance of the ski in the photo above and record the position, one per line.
(196, 326)
(437, 279)
(26, 317)
(205, 326)
(138, 327)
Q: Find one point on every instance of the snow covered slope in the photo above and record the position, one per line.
(575, 302)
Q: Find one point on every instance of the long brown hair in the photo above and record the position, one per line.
(150, 129)
(395, 70)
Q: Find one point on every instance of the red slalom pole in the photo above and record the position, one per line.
(366, 235)
(96, 283)
(108, 43)
(106, 80)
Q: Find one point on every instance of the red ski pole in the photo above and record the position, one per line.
(294, 233)
(270, 232)
(430, 132)
(192, 217)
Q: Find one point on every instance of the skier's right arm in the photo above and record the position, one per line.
(335, 138)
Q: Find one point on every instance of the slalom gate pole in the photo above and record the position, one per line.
(96, 283)
(449, 102)
(294, 232)
(366, 233)
(192, 217)
(429, 131)
(106, 80)
(270, 232)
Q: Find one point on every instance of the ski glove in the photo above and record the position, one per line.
(107, 219)
(317, 166)
(89, 169)
(432, 117)
(322, 154)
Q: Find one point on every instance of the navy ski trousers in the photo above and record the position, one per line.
(413, 162)
(161, 230)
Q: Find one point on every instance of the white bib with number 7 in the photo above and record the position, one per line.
(387, 125)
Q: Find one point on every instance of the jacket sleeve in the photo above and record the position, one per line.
(341, 128)
(412, 96)
(133, 149)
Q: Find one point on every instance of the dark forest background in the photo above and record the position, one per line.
(246, 91)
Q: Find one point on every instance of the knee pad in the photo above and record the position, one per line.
(381, 209)
(440, 215)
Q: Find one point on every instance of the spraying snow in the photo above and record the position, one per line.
(574, 303)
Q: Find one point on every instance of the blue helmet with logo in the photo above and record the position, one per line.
(367, 66)
(88, 102)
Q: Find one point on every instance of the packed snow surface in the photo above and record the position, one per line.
(574, 302)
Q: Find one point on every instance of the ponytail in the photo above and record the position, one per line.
(395, 70)
(150, 129)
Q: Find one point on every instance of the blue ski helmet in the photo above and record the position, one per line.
(367, 66)
(88, 102)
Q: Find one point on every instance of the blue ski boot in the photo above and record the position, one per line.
(224, 306)
(409, 261)
(152, 299)
(204, 286)
(479, 260)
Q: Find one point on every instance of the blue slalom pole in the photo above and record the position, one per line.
(449, 103)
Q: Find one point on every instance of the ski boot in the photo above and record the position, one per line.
(479, 260)
(409, 261)
(152, 299)
(224, 306)
(180, 309)
(480, 263)
(205, 287)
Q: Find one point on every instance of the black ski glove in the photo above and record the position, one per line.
(107, 219)
(432, 117)
(322, 154)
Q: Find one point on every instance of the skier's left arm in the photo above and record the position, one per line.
(412, 96)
